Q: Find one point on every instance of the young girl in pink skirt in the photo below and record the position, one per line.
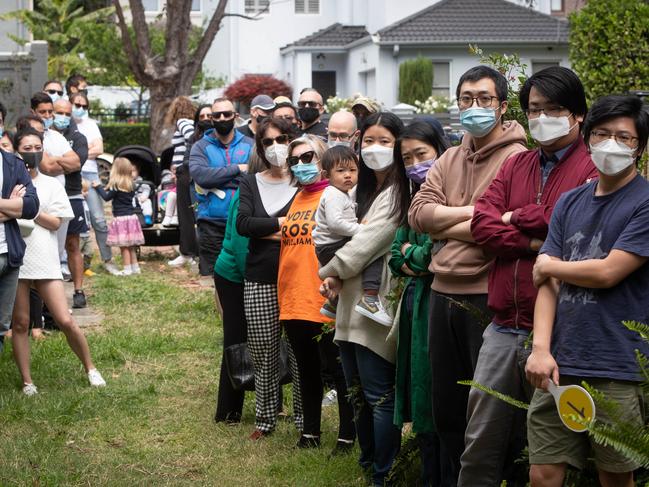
(124, 230)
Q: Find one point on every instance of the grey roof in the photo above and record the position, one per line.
(481, 21)
(336, 35)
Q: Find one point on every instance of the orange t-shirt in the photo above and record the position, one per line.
(297, 281)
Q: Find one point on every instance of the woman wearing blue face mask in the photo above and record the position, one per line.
(418, 147)
(299, 299)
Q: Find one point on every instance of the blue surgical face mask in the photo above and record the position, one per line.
(79, 112)
(47, 122)
(54, 96)
(61, 122)
(478, 121)
(417, 172)
(305, 173)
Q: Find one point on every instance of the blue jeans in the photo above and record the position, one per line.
(370, 380)
(97, 217)
(8, 285)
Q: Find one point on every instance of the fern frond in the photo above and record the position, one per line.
(640, 328)
(498, 395)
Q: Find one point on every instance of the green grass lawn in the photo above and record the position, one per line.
(159, 349)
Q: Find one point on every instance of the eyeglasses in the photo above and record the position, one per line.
(280, 139)
(308, 104)
(51, 92)
(80, 106)
(484, 101)
(226, 115)
(290, 118)
(551, 111)
(304, 158)
(339, 136)
(597, 136)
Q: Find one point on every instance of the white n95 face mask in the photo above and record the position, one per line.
(377, 157)
(546, 130)
(277, 154)
(611, 157)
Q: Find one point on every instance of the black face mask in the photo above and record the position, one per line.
(32, 159)
(261, 118)
(204, 125)
(223, 127)
(308, 114)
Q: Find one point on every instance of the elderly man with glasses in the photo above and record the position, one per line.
(215, 163)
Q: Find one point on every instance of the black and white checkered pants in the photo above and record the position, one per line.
(264, 330)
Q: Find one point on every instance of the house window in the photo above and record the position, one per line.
(556, 5)
(307, 6)
(441, 78)
(196, 5)
(257, 6)
(150, 5)
(540, 65)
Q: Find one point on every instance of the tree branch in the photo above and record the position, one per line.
(132, 54)
(192, 67)
(141, 35)
(177, 33)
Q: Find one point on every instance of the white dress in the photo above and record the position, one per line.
(41, 259)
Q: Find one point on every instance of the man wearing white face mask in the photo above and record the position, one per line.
(443, 208)
(597, 250)
(511, 221)
(342, 130)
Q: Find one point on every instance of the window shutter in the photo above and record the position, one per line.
(299, 6)
(314, 6)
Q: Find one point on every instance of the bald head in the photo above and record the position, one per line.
(342, 127)
(62, 105)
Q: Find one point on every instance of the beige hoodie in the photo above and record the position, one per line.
(459, 178)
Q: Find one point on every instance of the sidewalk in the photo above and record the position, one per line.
(84, 317)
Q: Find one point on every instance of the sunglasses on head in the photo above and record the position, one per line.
(304, 158)
(308, 104)
(227, 115)
(280, 139)
(51, 92)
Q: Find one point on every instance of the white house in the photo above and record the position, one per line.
(348, 46)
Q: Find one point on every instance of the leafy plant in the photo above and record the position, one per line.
(247, 87)
(609, 46)
(433, 104)
(415, 80)
(335, 104)
(117, 135)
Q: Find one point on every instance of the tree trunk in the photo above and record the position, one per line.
(161, 95)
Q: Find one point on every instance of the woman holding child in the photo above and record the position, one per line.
(299, 299)
(367, 357)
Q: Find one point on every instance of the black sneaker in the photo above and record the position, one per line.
(79, 299)
(308, 441)
(343, 447)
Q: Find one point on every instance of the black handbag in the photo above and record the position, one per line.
(241, 370)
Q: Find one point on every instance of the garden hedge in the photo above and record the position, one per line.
(117, 135)
(415, 80)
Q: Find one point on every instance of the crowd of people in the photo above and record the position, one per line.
(375, 260)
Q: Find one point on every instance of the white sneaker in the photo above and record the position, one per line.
(330, 398)
(136, 270)
(166, 221)
(374, 310)
(30, 390)
(95, 378)
(180, 261)
(112, 269)
(126, 272)
(173, 221)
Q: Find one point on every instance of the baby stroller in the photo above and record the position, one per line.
(150, 171)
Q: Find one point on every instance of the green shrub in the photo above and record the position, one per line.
(117, 135)
(609, 46)
(415, 80)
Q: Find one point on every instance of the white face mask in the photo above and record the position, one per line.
(546, 130)
(377, 157)
(333, 143)
(610, 157)
(277, 154)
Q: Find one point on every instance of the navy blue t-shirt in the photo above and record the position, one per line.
(588, 338)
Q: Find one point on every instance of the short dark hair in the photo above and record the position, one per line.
(615, 106)
(23, 122)
(21, 134)
(50, 81)
(559, 85)
(280, 124)
(74, 96)
(74, 81)
(3, 111)
(38, 98)
(480, 72)
(336, 155)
